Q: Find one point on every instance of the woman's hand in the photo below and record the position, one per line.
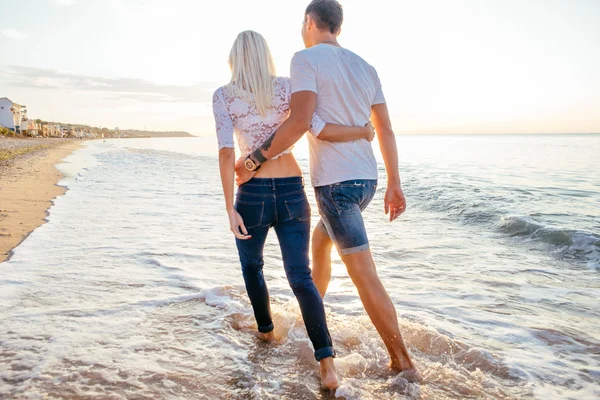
(243, 175)
(341, 133)
(236, 224)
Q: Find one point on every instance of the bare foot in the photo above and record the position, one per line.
(401, 364)
(411, 373)
(405, 366)
(400, 359)
(265, 337)
(329, 379)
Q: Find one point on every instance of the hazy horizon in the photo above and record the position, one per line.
(447, 67)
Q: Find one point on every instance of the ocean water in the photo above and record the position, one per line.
(133, 288)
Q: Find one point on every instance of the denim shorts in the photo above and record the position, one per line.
(340, 207)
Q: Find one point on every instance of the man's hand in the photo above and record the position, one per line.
(370, 131)
(395, 203)
(242, 174)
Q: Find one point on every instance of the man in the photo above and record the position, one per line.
(343, 89)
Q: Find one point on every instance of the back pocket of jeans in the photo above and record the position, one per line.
(251, 212)
(298, 209)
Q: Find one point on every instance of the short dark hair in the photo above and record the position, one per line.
(328, 14)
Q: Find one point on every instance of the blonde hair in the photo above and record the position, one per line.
(252, 69)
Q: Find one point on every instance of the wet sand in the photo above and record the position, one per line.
(28, 179)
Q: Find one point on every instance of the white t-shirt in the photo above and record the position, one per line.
(346, 87)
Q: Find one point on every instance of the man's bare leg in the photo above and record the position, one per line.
(321, 260)
(379, 306)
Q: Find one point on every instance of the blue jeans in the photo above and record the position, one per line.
(341, 206)
(281, 203)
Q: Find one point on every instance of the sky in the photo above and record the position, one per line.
(447, 66)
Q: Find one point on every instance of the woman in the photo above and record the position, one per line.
(253, 105)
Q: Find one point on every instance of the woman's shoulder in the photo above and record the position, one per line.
(282, 84)
(228, 90)
(218, 94)
(282, 80)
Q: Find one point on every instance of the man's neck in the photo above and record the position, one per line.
(327, 39)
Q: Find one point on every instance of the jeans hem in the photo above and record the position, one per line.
(266, 329)
(354, 250)
(324, 352)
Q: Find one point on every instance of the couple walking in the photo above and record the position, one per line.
(333, 94)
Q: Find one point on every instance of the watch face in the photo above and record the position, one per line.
(250, 165)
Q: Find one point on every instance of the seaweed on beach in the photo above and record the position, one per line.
(9, 154)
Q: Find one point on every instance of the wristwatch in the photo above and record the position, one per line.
(250, 164)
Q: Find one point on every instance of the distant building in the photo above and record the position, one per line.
(30, 127)
(56, 131)
(27, 127)
(51, 130)
(12, 114)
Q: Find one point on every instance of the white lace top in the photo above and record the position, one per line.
(234, 114)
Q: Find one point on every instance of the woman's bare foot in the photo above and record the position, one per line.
(265, 337)
(329, 379)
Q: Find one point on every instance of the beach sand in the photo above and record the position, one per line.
(28, 186)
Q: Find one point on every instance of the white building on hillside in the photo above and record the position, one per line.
(12, 114)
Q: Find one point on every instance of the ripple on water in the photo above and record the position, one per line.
(204, 344)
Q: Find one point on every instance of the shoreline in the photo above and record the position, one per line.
(28, 186)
